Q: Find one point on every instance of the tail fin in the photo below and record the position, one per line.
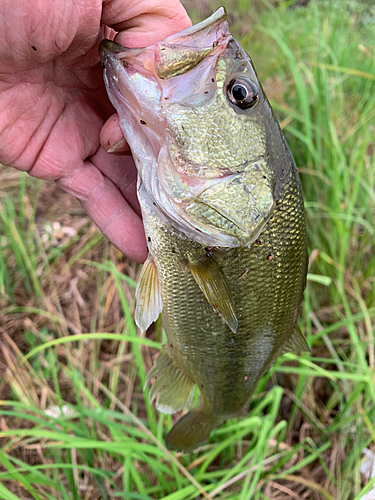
(191, 431)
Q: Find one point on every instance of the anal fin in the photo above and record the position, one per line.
(212, 281)
(149, 303)
(172, 389)
(297, 342)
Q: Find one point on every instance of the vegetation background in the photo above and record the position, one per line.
(74, 421)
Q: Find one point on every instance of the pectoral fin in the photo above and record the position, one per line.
(212, 281)
(172, 389)
(149, 303)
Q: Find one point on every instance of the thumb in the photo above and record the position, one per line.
(145, 22)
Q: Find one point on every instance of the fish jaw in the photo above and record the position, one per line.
(135, 81)
(157, 92)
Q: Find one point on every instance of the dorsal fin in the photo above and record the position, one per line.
(213, 283)
(149, 303)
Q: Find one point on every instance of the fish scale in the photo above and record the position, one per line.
(260, 299)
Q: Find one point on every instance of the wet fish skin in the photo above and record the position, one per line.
(252, 256)
(226, 366)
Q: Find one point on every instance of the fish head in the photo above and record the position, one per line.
(199, 126)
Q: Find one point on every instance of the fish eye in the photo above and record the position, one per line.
(242, 92)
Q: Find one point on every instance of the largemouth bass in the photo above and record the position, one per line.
(224, 219)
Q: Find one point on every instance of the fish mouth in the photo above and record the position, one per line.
(174, 56)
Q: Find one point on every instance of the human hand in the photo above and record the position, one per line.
(53, 102)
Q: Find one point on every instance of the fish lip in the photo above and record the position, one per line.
(217, 20)
(109, 49)
(106, 46)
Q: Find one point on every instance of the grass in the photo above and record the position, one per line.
(70, 349)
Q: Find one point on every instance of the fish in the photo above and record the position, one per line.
(224, 218)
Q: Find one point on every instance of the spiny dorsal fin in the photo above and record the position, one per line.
(212, 281)
(297, 342)
(172, 389)
(149, 303)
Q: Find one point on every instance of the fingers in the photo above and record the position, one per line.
(122, 172)
(35, 33)
(108, 208)
(59, 156)
(72, 136)
(111, 137)
(144, 22)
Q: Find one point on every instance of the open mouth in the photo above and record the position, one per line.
(177, 54)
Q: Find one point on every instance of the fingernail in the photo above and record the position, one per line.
(120, 146)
